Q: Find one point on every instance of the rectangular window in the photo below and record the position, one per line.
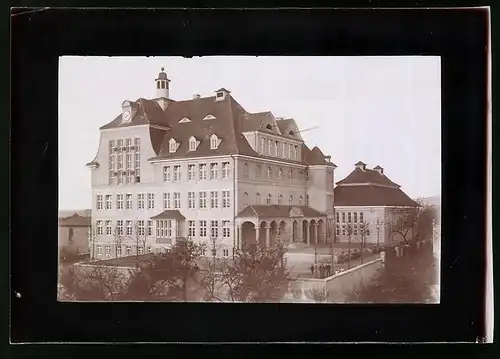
(214, 199)
(203, 229)
(226, 229)
(177, 173)
(191, 200)
(343, 217)
(307, 175)
(129, 227)
(99, 249)
(166, 201)
(191, 228)
(150, 228)
(225, 253)
(349, 217)
(128, 249)
(285, 150)
(128, 203)
(361, 217)
(337, 230)
(296, 148)
(99, 204)
(355, 217)
(225, 169)
(269, 147)
(290, 154)
(214, 229)
(140, 227)
(108, 201)
(177, 200)
(166, 173)
(99, 227)
(226, 199)
(191, 172)
(290, 174)
(307, 200)
(203, 199)
(140, 201)
(119, 227)
(164, 228)
(137, 160)
(128, 164)
(150, 249)
(214, 168)
(203, 172)
(119, 201)
(119, 251)
(130, 176)
(262, 141)
(337, 217)
(141, 250)
(151, 200)
(109, 229)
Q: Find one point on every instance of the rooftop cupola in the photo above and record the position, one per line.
(221, 94)
(162, 82)
(361, 166)
(379, 169)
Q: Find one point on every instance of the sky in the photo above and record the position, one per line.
(380, 110)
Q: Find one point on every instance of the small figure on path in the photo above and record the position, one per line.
(312, 269)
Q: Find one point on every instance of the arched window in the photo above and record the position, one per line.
(280, 173)
(301, 200)
(163, 84)
(290, 200)
(290, 174)
(245, 169)
(257, 171)
(269, 172)
(158, 84)
(245, 199)
(257, 198)
(280, 199)
(268, 201)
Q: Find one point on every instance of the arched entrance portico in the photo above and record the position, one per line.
(305, 231)
(312, 232)
(295, 231)
(321, 231)
(248, 235)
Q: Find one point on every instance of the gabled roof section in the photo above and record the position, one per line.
(185, 120)
(74, 221)
(288, 128)
(371, 196)
(144, 112)
(278, 211)
(170, 214)
(260, 121)
(358, 176)
(314, 157)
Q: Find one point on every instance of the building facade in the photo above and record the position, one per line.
(367, 205)
(74, 234)
(205, 169)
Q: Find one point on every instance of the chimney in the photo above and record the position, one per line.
(279, 118)
(379, 169)
(196, 95)
(361, 166)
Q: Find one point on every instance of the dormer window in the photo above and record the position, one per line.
(269, 127)
(220, 94)
(173, 145)
(214, 142)
(193, 143)
(185, 120)
(209, 117)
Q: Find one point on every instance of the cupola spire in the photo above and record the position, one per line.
(162, 82)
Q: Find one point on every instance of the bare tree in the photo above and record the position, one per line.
(94, 282)
(118, 240)
(349, 230)
(412, 223)
(256, 274)
(363, 229)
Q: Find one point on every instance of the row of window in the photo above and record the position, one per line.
(275, 148)
(350, 217)
(279, 174)
(124, 161)
(173, 173)
(164, 228)
(269, 199)
(127, 250)
(366, 230)
(173, 145)
(170, 200)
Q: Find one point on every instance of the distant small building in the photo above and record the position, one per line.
(74, 233)
(368, 196)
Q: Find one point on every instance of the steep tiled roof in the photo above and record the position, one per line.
(170, 214)
(288, 128)
(371, 196)
(367, 176)
(277, 211)
(261, 121)
(147, 112)
(74, 221)
(314, 156)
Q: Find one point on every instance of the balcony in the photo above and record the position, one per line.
(163, 240)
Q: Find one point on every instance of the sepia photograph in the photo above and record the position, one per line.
(249, 179)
